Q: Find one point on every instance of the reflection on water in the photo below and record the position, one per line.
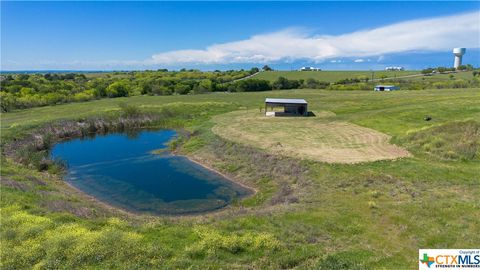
(120, 170)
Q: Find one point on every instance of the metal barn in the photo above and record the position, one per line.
(291, 107)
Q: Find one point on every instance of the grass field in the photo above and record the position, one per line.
(305, 215)
(330, 76)
(318, 138)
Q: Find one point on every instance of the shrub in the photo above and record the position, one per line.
(211, 242)
(30, 101)
(54, 98)
(7, 101)
(284, 83)
(249, 85)
(427, 71)
(182, 89)
(117, 89)
(375, 193)
(315, 84)
(84, 96)
(350, 81)
(160, 90)
(372, 204)
(129, 110)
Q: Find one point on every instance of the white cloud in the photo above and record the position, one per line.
(434, 34)
(289, 45)
(359, 60)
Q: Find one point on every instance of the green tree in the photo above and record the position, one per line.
(146, 88)
(117, 89)
(205, 85)
(427, 71)
(251, 85)
(26, 91)
(441, 69)
(254, 70)
(363, 78)
(280, 83)
(284, 83)
(267, 68)
(315, 84)
(8, 102)
(23, 77)
(181, 89)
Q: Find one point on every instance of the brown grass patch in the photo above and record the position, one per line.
(316, 138)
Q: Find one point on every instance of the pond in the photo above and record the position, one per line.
(121, 170)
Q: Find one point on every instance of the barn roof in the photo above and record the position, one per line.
(285, 101)
(381, 85)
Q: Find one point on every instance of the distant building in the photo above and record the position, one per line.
(394, 68)
(386, 88)
(291, 107)
(310, 69)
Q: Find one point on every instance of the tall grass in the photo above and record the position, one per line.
(31, 145)
(450, 141)
(32, 150)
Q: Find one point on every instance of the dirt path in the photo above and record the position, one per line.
(246, 77)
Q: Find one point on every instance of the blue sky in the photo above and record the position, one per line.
(211, 35)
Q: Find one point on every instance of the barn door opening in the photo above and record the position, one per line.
(301, 110)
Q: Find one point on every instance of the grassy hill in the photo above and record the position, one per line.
(438, 77)
(306, 214)
(329, 76)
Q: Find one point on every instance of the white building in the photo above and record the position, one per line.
(310, 69)
(394, 68)
(386, 88)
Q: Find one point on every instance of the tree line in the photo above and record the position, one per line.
(430, 70)
(359, 83)
(20, 91)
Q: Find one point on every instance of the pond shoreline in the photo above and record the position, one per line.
(203, 164)
(209, 167)
(130, 213)
(43, 138)
(103, 204)
(133, 214)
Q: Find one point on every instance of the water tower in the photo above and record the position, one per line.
(458, 52)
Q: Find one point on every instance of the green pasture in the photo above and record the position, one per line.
(305, 215)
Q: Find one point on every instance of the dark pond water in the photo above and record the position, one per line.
(120, 170)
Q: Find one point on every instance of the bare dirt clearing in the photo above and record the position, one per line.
(318, 138)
